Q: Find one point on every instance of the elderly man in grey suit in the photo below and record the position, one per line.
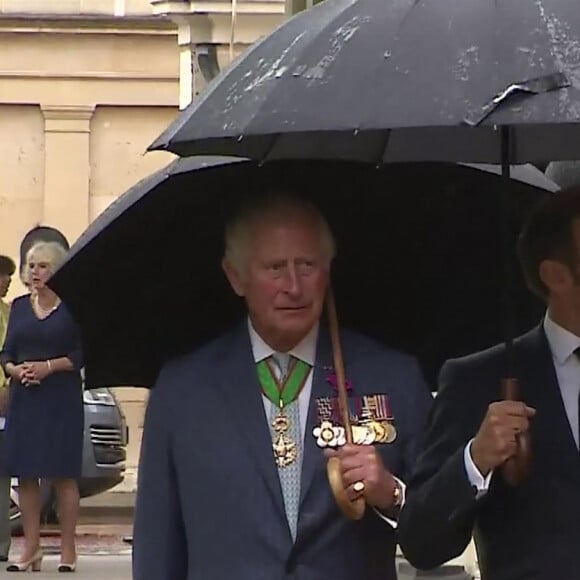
(232, 481)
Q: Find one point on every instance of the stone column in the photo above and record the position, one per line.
(67, 168)
(191, 81)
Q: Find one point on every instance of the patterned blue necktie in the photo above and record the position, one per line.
(289, 475)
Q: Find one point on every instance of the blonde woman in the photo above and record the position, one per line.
(44, 428)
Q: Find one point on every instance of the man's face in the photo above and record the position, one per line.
(285, 278)
(5, 281)
(563, 278)
(575, 289)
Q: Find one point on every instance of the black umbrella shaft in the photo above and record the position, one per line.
(505, 209)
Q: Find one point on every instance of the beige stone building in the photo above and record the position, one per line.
(85, 87)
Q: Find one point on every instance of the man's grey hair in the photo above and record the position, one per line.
(52, 252)
(280, 207)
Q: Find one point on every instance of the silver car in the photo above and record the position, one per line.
(104, 454)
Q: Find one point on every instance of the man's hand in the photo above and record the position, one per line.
(496, 440)
(363, 463)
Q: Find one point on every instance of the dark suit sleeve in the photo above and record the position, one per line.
(420, 406)
(417, 410)
(159, 547)
(436, 523)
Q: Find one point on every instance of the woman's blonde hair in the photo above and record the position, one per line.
(51, 252)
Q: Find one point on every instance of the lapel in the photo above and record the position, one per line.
(314, 460)
(550, 428)
(243, 401)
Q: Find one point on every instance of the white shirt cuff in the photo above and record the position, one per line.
(390, 521)
(476, 479)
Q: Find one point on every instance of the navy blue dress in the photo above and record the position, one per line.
(44, 427)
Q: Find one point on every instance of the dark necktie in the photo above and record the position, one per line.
(577, 353)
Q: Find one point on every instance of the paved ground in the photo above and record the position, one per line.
(103, 553)
(89, 568)
(92, 539)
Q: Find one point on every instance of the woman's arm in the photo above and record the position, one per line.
(59, 365)
(9, 350)
(37, 371)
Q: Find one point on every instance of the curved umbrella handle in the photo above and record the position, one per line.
(517, 469)
(353, 510)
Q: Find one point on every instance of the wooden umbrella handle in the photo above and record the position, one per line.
(338, 363)
(517, 469)
(352, 509)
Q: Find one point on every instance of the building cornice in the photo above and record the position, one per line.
(174, 8)
(86, 24)
(89, 75)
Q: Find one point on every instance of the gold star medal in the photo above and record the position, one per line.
(282, 394)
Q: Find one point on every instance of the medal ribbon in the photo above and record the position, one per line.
(282, 394)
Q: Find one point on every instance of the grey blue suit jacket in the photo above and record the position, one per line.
(209, 502)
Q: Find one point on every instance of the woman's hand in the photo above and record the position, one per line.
(17, 372)
(35, 372)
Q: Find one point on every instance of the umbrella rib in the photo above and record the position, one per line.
(269, 148)
(383, 148)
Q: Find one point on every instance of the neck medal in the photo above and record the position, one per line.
(281, 395)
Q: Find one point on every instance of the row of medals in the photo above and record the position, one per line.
(366, 433)
(328, 435)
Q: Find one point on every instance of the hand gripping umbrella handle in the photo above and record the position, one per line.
(353, 510)
(517, 469)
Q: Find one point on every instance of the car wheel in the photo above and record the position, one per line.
(46, 501)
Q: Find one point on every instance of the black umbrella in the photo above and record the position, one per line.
(405, 80)
(411, 80)
(416, 268)
(565, 174)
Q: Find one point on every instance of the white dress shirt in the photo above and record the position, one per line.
(305, 351)
(562, 344)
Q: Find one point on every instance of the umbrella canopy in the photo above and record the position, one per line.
(417, 259)
(564, 173)
(369, 80)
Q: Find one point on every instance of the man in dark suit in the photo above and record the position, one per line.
(530, 531)
(232, 480)
(7, 269)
